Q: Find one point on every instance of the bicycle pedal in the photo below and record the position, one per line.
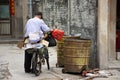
(43, 61)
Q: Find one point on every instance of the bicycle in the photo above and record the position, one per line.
(39, 57)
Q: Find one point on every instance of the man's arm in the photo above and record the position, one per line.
(46, 34)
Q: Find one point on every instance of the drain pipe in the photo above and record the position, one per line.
(30, 8)
(69, 17)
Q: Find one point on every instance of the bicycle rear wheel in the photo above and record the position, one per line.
(36, 64)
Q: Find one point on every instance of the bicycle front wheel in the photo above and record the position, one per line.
(36, 64)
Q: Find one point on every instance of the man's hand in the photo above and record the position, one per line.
(20, 44)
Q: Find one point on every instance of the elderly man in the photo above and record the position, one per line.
(34, 27)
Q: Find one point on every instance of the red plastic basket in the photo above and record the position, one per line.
(57, 34)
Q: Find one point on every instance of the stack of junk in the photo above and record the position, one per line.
(73, 54)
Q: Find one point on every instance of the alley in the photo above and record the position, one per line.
(12, 60)
(13, 57)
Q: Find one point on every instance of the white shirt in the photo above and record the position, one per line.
(34, 25)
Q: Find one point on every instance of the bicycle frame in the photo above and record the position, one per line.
(38, 59)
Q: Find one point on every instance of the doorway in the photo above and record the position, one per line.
(118, 29)
(5, 29)
(107, 34)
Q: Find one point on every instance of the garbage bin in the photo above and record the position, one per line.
(76, 55)
(60, 50)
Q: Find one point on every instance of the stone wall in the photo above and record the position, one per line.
(74, 17)
(55, 13)
(18, 20)
(84, 21)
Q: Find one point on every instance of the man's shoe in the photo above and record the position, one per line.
(32, 71)
(27, 71)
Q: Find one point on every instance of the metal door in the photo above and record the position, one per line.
(5, 28)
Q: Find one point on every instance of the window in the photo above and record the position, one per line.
(4, 11)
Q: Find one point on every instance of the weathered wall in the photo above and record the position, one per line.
(74, 17)
(25, 11)
(18, 20)
(55, 13)
(84, 21)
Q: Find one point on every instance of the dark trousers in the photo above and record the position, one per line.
(27, 61)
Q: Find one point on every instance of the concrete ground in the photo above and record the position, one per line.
(12, 61)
